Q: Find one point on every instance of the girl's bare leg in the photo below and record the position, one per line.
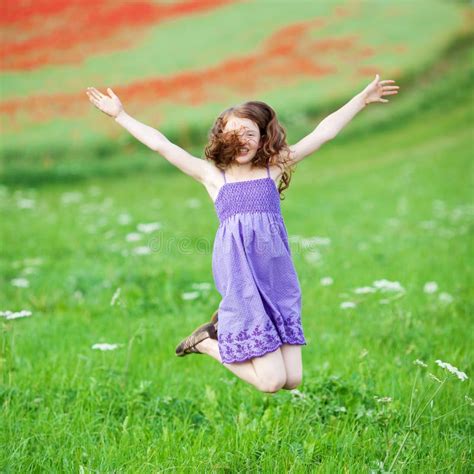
(267, 373)
(243, 370)
(293, 363)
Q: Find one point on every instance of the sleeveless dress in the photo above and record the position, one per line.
(254, 273)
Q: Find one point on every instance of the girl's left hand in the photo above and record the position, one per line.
(377, 88)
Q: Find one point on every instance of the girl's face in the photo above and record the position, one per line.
(249, 134)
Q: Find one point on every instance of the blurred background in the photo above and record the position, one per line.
(105, 242)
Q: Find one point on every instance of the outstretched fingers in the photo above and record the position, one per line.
(95, 93)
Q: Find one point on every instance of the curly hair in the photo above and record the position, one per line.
(223, 147)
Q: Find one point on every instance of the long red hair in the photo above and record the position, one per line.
(223, 147)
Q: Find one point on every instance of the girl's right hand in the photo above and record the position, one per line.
(109, 104)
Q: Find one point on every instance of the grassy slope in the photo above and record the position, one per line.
(95, 411)
(427, 31)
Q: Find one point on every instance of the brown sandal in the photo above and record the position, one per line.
(188, 345)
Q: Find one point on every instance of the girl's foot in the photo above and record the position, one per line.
(188, 345)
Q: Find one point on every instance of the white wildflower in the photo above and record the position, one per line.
(297, 393)
(15, 314)
(25, 203)
(143, 250)
(115, 297)
(430, 287)
(445, 365)
(364, 289)
(347, 304)
(103, 346)
(148, 228)
(28, 270)
(133, 237)
(420, 363)
(20, 282)
(445, 297)
(124, 218)
(383, 399)
(386, 285)
(71, 197)
(190, 295)
(469, 400)
(326, 281)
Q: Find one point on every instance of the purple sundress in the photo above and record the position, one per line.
(253, 271)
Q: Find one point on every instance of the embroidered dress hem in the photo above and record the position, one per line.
(260, 353)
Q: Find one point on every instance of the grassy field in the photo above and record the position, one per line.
(389, 200)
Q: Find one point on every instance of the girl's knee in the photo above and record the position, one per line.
(292, 382)
(273, 383)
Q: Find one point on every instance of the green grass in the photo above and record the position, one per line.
(393, 195)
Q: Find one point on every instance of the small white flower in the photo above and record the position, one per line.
(71, 197)
(190, 295)
(383, 399)
(347, 304)
(326, 281)
(24, 203)
(133, 237)
(14, 315)
(20, 282)
(144, 250)
(124, 218)
(364, 290)
(115, 297)
(297, 393)
(445, 297)
(148, 228)
(430, 287)
(386, 285)
(420, 363)
(445, 365)
(103, 346)
(469, 400)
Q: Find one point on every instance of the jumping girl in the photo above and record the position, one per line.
(256, 332)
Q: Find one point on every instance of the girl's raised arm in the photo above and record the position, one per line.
(335, 122)
(111, 105)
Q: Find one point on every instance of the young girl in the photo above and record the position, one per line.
(256, 332)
